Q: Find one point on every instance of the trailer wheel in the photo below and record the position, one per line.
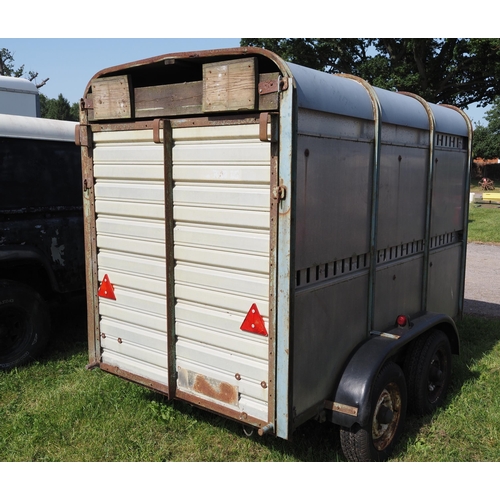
(375, 441)
(24, 324)
(428, 372)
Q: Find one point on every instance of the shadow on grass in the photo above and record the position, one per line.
(311, 442)
(68, 329)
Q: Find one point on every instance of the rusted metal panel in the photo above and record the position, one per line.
(221, 409)
(349, 410)
(208, 387)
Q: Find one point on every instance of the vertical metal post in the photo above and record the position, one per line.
(466, 207)
(377, 138)
(169, 253)
(84, 139)
(285, 263)
(430, 186)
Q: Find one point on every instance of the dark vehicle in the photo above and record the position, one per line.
(41, 230)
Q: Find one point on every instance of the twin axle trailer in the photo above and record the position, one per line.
(273, 243)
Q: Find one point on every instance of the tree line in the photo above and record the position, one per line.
(458, 71)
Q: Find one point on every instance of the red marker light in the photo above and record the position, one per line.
(402, 320)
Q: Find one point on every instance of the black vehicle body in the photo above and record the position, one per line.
(41, 231)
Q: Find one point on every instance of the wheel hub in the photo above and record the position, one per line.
(386, 417)
(436, 376)
(12, 328)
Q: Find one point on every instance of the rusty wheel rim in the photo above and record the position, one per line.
(386, 416)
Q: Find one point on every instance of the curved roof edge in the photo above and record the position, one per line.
(27, 127)
(12, 84)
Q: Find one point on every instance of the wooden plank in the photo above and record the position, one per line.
(168, 100)
(111, 98)
(230, 85)
(269, 102)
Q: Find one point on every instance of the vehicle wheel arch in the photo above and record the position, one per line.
(350, 403)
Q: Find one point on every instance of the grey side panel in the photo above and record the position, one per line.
(444, 280)
(330, 321)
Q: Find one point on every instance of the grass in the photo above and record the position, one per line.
(484, 223)
(57, 411)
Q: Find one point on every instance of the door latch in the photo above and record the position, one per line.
(279, 192)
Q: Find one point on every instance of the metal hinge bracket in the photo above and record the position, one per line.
(86, 104)
(279, 192)
(270, 86)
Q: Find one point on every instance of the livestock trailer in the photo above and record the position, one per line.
(273, 243)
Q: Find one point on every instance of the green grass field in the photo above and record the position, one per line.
(484, 223)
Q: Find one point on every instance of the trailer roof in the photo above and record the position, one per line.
(27, 127)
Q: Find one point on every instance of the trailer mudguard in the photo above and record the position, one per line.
(351, 402)
(15, 254)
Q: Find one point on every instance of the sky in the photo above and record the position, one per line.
(70, 63)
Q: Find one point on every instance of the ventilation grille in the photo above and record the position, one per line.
(331, 270)
(349, 265)
(449, 141)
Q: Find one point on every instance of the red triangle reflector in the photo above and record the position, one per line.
(106, 289)
(254, 323)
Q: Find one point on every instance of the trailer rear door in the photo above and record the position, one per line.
(183, 236)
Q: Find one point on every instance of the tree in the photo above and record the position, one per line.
(486, 143)
(458, 71)
(7, 68)
(58, 109)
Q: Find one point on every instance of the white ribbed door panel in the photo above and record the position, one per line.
(221, 211)
(130, 223)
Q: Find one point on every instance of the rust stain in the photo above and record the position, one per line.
(222, 391)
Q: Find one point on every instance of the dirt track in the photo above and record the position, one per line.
(482, 280)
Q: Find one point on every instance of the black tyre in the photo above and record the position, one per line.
(375, 442)
(24, 324)
(428, 372)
